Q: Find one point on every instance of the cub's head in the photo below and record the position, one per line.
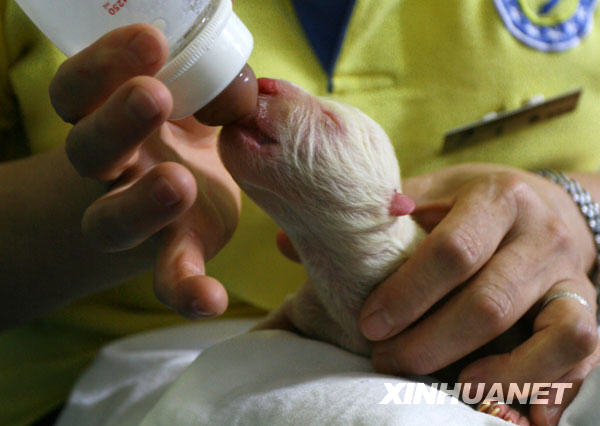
(316, 166)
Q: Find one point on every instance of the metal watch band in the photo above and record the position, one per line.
(589, 209)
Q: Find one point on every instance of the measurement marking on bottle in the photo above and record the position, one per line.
(114, 8)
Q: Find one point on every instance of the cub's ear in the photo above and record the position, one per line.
(401, 205)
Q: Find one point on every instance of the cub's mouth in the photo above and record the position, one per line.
(250, 128)
(257, 130)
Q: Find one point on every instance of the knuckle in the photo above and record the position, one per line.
(557, 235)
(582, 336)
(508, 180)
(513, 185)
(559, 242)
(492, 309)
(514, 190)
(461, 248)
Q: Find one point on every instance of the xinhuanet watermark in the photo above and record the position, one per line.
(444, 393)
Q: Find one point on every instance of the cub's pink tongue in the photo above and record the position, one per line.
(268, 86)
(236, 101)
(401, 205)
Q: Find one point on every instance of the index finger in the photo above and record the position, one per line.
(85, 81)
(455, 250)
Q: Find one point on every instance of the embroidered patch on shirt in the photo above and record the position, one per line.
(542, 31)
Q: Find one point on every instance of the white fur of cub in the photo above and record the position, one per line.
(328, 175)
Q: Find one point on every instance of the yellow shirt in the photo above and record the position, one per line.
(419, 68)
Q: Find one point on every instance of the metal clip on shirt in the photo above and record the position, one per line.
(496, 124)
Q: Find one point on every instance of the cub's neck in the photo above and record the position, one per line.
(346, 265)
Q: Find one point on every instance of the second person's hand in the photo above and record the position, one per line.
(501, 240)
(165, 179)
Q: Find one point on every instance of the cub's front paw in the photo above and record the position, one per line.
(504, 412)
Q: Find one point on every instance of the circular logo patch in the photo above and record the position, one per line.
(548, 25)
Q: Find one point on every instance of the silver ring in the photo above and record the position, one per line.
(570, 295)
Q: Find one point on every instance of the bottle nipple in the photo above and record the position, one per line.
(236, 101)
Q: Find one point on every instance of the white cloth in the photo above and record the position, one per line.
(128, 376)
(269, 377)
(585, 408)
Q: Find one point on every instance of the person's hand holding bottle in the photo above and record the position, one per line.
(165, 179)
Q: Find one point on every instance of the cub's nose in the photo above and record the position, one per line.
(268, 86)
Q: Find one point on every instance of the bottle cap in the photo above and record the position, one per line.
(209, 62)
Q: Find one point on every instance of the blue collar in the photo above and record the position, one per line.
(325, 23)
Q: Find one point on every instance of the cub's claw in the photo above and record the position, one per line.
(503, 411)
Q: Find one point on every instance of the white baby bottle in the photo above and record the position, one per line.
(208, 45)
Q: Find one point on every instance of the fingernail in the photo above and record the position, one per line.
(483, 407)
(164, 194)
(377, 325)
(494, 411)
(142, 105)
(199, 312)
(146, 49)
